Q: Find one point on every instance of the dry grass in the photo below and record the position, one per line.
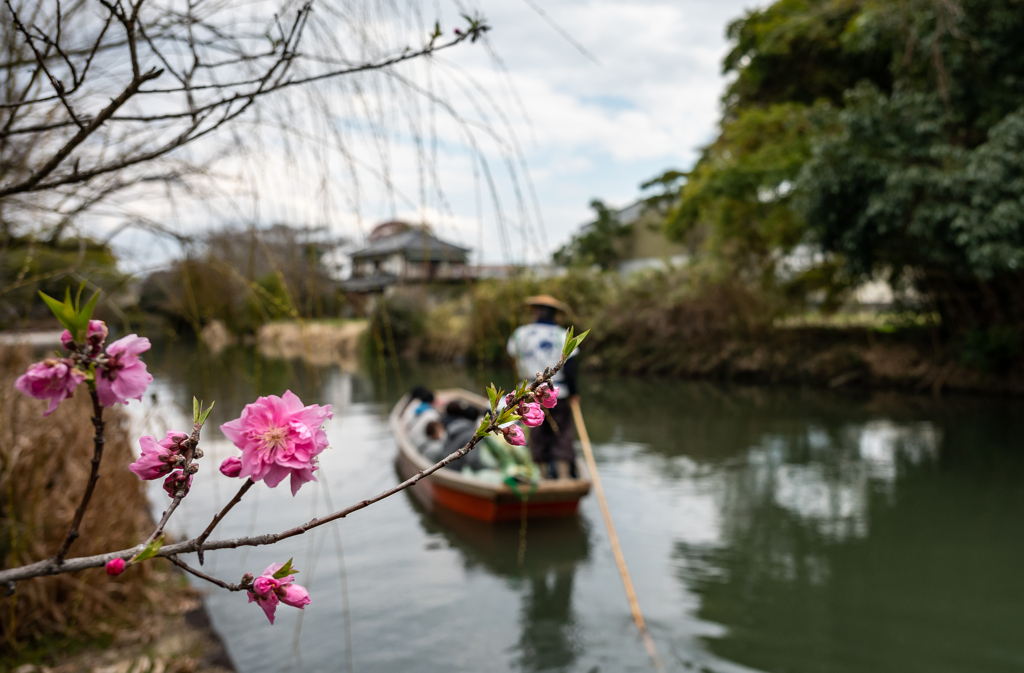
(315, 342)
(44, 466)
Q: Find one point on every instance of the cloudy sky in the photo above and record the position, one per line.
(488, 141)
(599, 130)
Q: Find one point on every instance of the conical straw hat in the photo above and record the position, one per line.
(547, 300)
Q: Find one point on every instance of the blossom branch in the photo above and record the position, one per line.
(94, 475)
(191, 451)
(48, 567)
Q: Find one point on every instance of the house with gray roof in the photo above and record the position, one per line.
(400, 253)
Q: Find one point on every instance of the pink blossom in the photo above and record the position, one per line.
(50, 379)
(268, 591)
(231, 467)
(279, 437)
(175, 481)
(124, 376)
(95, 335)
(547, 395)
(514, 435)
(531, 413)
(115, 566)
(156, 458)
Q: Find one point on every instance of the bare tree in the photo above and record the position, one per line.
(104, 97)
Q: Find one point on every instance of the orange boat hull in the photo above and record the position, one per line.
(432, 494)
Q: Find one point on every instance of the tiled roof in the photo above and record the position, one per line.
(415, 245)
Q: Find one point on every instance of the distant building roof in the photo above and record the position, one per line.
(416, 245)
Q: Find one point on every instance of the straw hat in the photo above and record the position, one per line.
(547, 300)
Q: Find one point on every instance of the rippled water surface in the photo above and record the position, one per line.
(767, 529)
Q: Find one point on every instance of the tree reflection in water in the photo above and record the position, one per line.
(855, 532)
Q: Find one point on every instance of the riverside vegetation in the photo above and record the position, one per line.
(694, 324)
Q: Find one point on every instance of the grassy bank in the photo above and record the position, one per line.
(82, 621)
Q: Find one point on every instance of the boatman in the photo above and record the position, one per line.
(534, 347)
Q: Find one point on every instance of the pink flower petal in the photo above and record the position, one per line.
(295, 596)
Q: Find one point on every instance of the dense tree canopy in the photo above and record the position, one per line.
(889, 135)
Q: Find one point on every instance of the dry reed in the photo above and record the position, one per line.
(44, 466)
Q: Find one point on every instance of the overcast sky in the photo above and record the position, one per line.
(585, 130)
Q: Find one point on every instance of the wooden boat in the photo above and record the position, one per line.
(475, 498)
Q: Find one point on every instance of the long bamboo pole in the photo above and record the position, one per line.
(620, 560)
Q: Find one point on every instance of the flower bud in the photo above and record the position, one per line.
(231, 467)
(531, 413)
(193, 468)
(548, 396)
(177, 481)
(514, 435)
(115, 566)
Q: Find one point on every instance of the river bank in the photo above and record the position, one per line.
(177, 637)
(819, 357)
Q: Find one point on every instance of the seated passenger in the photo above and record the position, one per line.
(459, 432)
(418, 428)
(433, 444)
(457, 410)
(420, 399)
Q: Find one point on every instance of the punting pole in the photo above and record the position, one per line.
(620, 560)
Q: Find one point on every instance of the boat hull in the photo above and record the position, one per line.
(432, 494)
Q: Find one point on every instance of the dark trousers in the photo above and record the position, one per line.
(552, 439)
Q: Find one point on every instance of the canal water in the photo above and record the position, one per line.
(767, 529)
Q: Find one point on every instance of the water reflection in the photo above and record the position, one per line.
(541, 560)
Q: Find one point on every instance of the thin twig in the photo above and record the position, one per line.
(220, 515)
(209, 578)
(94, 475)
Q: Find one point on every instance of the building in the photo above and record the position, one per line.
(646, 245)
(400, 253)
